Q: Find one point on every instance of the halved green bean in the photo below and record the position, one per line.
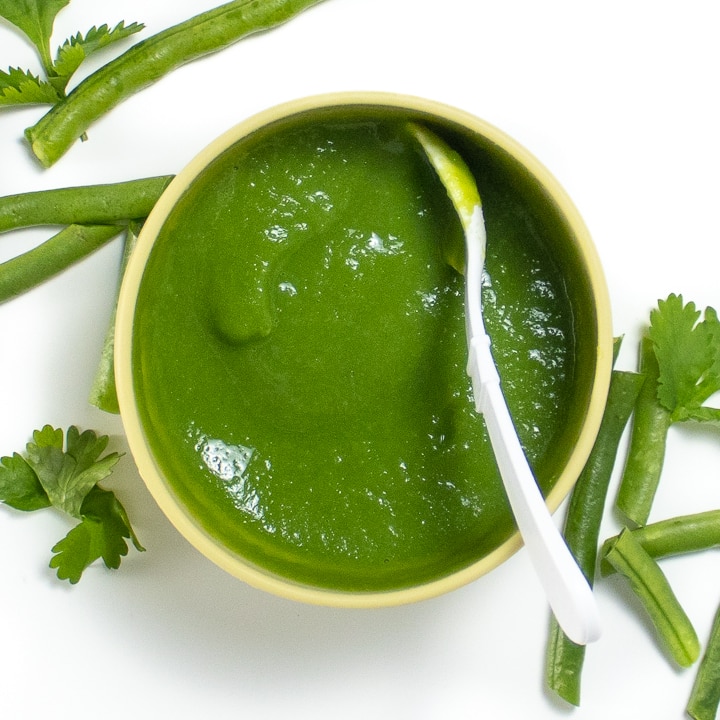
(705, 695)
(652, 588)
(103, 394)
(648, 439)
(675, 536)
(149, 60)
(107, 204)
(72, 243)
(564, 658)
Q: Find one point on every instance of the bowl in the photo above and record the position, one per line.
(290, 349)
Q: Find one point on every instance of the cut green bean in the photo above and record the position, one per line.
(675, 536)
(110, 204)
(648, 439)
(148, 61)
(71, 244)
(705, 695)
(652, 588)
(103, 393)
(564, 658)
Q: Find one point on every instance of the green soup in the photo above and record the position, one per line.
(299, 354)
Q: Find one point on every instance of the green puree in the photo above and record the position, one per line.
(299, 355)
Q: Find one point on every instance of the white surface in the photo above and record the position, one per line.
(618, 99)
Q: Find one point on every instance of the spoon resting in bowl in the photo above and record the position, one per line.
(566, 588)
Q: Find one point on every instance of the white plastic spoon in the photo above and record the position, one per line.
(568, 592)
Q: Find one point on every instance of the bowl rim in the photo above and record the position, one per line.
(180, 517)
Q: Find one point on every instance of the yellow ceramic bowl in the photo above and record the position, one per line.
(574, 253)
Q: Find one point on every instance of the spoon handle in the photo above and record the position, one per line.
(567, 590)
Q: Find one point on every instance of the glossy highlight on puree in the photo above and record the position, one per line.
(291, 350)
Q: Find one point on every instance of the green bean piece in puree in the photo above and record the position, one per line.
(299, 355)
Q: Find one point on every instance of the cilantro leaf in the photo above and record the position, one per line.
(101, 534)
(102, 505)
(35, 18)
(97, 38)
(688, 353)
(21, 87)
(19, 485)
(68, 476)
(75, 49)
(77, 550)
(68, 60)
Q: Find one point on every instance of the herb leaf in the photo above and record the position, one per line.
(19, 485)
(75, 49)
(77, 550)
(68, 60)
(36, 19)
(21, 87)
(688, 355)
(68, 476)
(100, 534)
(100, 37)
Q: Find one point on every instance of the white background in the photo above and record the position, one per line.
(619, 100)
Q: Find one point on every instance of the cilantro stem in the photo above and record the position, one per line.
(84, 205)
(675, 536)
(705, 695)
(564, 658)
(148, 61)
(651, 587)
(646, 454)
(54, 255)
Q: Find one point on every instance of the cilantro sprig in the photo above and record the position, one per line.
(62, 470)
(680, 358)
(35, 19)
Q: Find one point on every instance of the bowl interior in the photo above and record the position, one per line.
(532, 226)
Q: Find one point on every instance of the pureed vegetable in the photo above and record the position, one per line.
(299, 354)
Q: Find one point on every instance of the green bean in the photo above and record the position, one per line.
(675, 536)
(705, 694)
(103, 394)
(651, 587)
(646, 454)
(85, 205)
(148, 61)
(564, 658)
(66, 247)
